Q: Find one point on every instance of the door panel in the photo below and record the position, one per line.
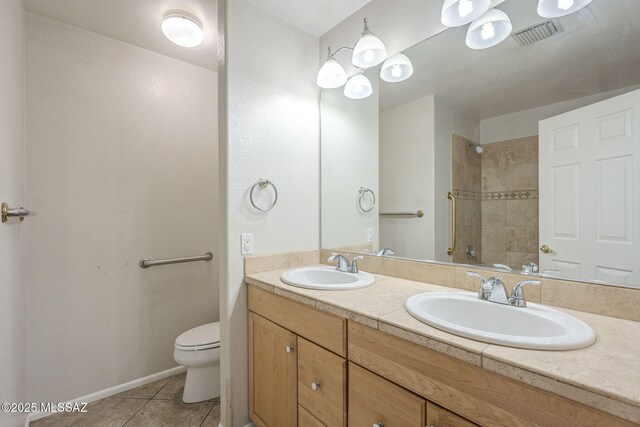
(590, 191)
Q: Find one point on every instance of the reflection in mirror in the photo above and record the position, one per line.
(524, 156)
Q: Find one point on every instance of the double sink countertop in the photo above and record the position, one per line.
(605, 376)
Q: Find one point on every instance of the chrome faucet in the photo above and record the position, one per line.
(494, 290)
(344, 264)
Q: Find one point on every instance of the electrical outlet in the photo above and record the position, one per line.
(246, 247)
(370, 235)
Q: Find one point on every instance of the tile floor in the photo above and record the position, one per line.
(155, 404)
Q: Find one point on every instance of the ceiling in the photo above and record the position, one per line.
(137, 22)
(314, 16)
(598, 52)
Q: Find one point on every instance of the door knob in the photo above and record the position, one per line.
(378, 424)
(289, 348)
(546, 249)
(315, 386)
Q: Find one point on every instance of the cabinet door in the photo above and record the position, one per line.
(272, 374)
(440, 417)
(305, 419)
(321, 383)
(374, 401)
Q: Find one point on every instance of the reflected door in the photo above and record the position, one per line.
(589, 182)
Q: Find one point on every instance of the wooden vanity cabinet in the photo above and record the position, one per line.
(272, 374)
(298, 373)
(297, 364)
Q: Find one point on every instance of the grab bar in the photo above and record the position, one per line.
(419, 213)
(146, 263)
(453, 223)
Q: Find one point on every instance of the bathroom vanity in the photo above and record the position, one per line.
(322, 358)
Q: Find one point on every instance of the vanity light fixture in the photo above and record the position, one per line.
(396, 69)
(558, 8)
(369, 51)
(332, 74)
(182, 28)
(358, 87)
(456, 13)
(488, 30)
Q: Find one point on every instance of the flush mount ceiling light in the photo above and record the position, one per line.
(182, 28)
(331, 75)
(456, 13)
(358, 87)
(488, 30)
(558, 8)
(396, 69)
(369, 51)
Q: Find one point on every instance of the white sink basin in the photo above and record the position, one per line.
(326, 278)
(534, 326)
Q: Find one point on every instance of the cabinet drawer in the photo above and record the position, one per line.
(305, 419)
(372, 399)
(325, 329)
(440, 417)
(321, 383)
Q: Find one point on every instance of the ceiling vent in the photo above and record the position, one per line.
(537, 32)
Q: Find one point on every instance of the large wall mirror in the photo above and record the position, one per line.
(524, 156)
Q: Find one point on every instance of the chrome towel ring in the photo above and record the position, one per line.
(263, 183)
(362, 193)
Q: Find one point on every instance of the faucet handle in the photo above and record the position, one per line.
(354, 264)
(517, 294)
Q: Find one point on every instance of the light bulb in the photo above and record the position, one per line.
(465, 7)
(565, 4)
(368, 56)
(396, 71)
(488, 31)
(358, 87)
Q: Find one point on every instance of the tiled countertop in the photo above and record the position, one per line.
(605, 375)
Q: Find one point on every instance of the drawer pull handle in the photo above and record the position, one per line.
(378, 424)
(289, 348)
(315, 386)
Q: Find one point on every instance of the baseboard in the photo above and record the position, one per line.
(112, 391)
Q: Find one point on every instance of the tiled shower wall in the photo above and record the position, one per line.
(466, 183)
(509, 172)
(497, 197)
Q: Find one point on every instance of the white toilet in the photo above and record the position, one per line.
(198, 350)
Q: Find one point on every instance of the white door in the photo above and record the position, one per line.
(590, 191)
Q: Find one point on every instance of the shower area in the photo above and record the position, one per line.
(496, 191)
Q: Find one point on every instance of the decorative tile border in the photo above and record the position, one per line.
(511, 195)
(467, 195)
(496, 195)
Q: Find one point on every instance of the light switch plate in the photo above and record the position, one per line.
(246, 247)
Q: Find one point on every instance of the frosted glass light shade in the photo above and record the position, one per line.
(456, 13)
(396, 69)
(488, 30)
(558, 8)
(369, 51)
(358, 87)
(183, 29)
(331, 75)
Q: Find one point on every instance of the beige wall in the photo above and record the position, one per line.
(407, 177)
(121, 158)
(349, 160)
(13, 368)
(270, 128)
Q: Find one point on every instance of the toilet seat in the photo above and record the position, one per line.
(202, 337)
